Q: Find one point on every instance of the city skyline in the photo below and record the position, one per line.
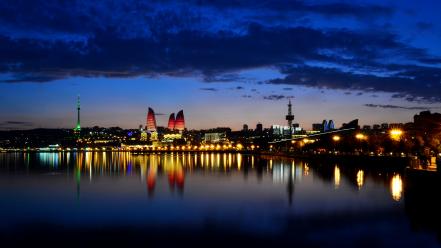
(226, 64)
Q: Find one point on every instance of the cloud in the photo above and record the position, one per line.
(16, 123)
(413, 83)
(274, 97)
(10, 125)
(289, 6)
(42, 41)
(370, 105)
(208, 89)
(424, 25)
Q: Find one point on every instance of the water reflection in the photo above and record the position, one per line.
(336, 176)
(360, 179)
(396, 187)
(262, 192)
(175, 167)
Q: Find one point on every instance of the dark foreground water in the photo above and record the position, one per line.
(211, 199)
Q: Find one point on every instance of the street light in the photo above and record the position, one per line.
(336, 138)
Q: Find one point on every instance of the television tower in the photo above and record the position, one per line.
(78, 127)
(289, 117)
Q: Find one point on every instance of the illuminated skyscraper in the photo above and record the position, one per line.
(171, 121)
(180, 122)
(151, 121)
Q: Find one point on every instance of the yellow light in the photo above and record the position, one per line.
(336, 176)
(239, 146)
(336, 138)
(360, 178)
(396, 187)
(305, 140)
(396, 134)
(252, 147)
(360, 136)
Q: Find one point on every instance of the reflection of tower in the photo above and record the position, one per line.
(151, 180)
(77, 128)
(289, 117)
(291, 184)
(78, 180)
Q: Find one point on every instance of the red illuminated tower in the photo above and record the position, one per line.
(151, 120)
(180, 122)
(171, 121)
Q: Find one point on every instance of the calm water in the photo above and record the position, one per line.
(222, 199)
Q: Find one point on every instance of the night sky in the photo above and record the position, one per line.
(225, 63)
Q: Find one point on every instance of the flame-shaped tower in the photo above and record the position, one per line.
(180, 122)
(151, 120)
(171, 121)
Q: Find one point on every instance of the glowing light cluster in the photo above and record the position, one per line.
(360, 136)
(396, 134)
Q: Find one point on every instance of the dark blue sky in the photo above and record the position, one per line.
(224, 62)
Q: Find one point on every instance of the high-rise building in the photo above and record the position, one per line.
(317, 126)
(180, 122)
(331, 125)
(151, 120)
(259, 127)
(245, 128)
(171, 121)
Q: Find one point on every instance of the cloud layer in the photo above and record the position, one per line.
(42, 41)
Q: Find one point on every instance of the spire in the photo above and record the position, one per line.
(78, 126)
(289, 116)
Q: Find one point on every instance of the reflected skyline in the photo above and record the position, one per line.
(176, 167)
(259, 194)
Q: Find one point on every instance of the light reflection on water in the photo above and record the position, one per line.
(176, 165)
(396, 187)
(257, 194)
